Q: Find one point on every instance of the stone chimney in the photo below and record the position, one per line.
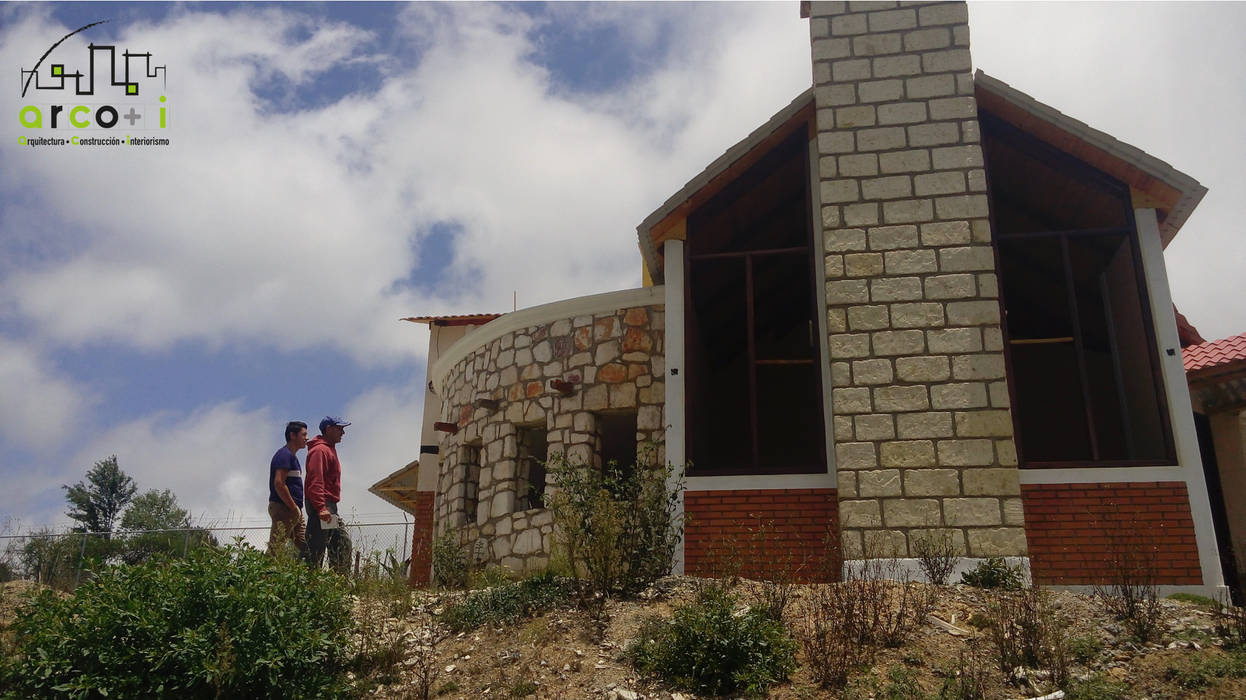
(923, 431)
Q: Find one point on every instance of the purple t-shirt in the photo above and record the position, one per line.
(285, 459)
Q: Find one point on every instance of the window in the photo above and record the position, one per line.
(470, 464)
(1083, 366)
(533, 451)
(754, 394)
(617, 433)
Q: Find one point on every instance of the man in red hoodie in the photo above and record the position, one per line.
(322, 489)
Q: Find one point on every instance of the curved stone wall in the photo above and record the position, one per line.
(498, 392)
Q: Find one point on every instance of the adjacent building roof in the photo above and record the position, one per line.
(459, 320)
(1216, 355)
(399, 488)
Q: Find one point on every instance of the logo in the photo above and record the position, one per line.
(89, 88)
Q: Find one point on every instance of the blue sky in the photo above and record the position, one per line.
(335, 167)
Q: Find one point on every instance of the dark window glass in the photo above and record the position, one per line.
(533, 451)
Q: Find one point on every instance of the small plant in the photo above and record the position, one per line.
(1195, 599)
(937, 555)
(1131, 594)
(223, 622)
(1025, 632)
(507, 603)
(449, 560)
(523, 689)
(709, 647)
(1085, 648)
(1230, 623)
(994, 573)
(1200, 671)
(1098, 687)
(968, 680)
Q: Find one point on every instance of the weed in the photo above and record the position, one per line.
(1230, 623)
(1195, 599)
(937, 555)
(447, 688)
(1025, 632)
(1085, 648)
(708, 647)
(507, 603)
(1098, 687)
(449, 560)
(968, 680)
(1200, 671)
(523, 689)
(994, 573)
(489, 577)
(1131, 593)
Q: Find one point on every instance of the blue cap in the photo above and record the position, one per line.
(333, 420)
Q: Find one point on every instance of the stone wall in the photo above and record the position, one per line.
(923, 433)
(614, 362)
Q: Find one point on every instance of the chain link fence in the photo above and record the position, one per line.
(64, 559)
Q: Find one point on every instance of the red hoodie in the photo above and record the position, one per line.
(323, 480)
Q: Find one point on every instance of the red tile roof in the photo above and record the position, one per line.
(1216, 353)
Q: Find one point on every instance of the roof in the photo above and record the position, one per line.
(399, 488)
(1171, 192)
(459, 320)
(1215, 355)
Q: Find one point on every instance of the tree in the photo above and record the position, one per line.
(155, 510)
(97, 503)
(158, 510)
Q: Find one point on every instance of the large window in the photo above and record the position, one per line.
(1084, 369)
(754, 396)
(533, 451)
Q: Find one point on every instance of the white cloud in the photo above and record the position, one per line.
(40, 408)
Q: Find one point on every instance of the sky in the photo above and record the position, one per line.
(333, 168)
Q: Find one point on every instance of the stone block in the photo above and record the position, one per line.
(919, 539)
(952, 108)
(595, 398)
(927, 86)
(843, 240)
(926, 39)
(895, 66)
(863, 264)
(1007, 452)
(965, 395)
(875, 427)
(840, 191)
(917, 315)
(946, 61)
(850, 24)
(892, 237)
(880, 139)
(910, 262)
(988, 287)
(869, 372)
(826, 164)
(983, 424)
(931, 482)
(890, 187)
(915, 426)
(841, 428)
(959, 286)
(965, 206)
(878, 45)
(973, 313)
(968, 512)
(890, 343)
(892, 20)
(649, 418)
(965, 453)
(907, 211)
(900, 398)
(848, 292)
(997, 542)
(941, 14)
(850, 69)
(848, 345)
(886, 90)
(833, 266)
(865, 214)
(841, 374)
(850, 544)
(923, 369)
(954, 340)
(969, 129)
(992, 482)
(837, 142)
(902, 112)
(860, 164)
(1000, 398)
(1014, 512)
(826, 49)
(855, 514)
(947, 182)
(894, 289)
(933, 134)
(884, 543)
(623, 396)
(983, 366)
(835, 94)
(855, 455)
(904, 161)
(907, 454)
(967, 259)
(956, 157)
(878, 483)
(867, 318)
(977, 180)
(911, 512)
(848, 400)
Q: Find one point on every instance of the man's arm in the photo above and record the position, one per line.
(313, 484)
(283, 491)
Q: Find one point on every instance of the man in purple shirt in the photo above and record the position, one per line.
(285, 491)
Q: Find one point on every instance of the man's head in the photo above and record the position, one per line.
(333, 429)
(296, 435)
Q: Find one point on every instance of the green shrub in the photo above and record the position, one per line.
(226, 622)
(993, 573)
(1097, 687)
(507, 603)
(449, 560)
(1085, 648)
(708, 648)
(617, 525)
(1200, 671)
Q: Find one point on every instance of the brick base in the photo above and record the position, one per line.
(1076, 531)
(422, 540)
(762, 533)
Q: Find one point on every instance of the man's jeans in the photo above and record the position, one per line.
(287, 527)
(336, 541)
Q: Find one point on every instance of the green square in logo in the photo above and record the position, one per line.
(131, 88)
(58, 69)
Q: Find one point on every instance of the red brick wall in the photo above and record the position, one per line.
(1075, 530)
(762, 533)
(422, 540)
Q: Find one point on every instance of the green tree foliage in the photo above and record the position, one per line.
(97, 503)
(158, 510)
(222, 623)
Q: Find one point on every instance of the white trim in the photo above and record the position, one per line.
(828, 426)
(1101, 475)
(517, 320)
(910, 568)
(762, 482)
(1180, 410)
(676, 451)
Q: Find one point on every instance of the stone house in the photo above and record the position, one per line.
(914, 303)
